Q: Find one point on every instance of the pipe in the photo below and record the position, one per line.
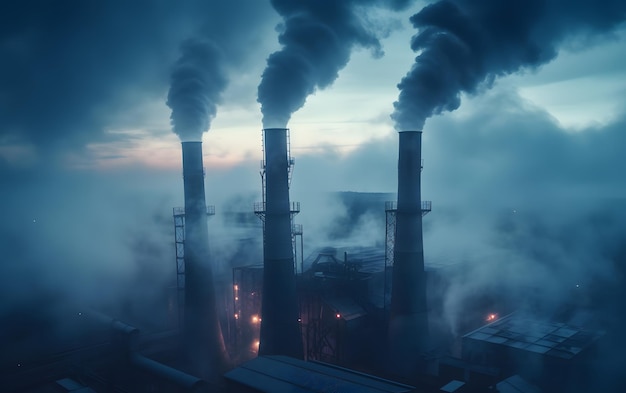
(280, 329)
(187, 382)
(124, 340)
(408, 327)
(203, 343)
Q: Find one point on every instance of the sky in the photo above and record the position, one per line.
(523, 153)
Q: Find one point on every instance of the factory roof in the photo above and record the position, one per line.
(540, 336)
(284, 374)
(368, 259)
(516, 384)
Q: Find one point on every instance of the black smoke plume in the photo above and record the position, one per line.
(197, 82)
(464, 45)
(317, 38)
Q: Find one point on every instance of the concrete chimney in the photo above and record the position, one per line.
(280, 329)
(408, 326)
(203, 343)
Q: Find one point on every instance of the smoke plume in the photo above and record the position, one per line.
(317, 38)
(197, 82)
(464, 45)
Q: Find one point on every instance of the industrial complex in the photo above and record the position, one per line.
(342, 319)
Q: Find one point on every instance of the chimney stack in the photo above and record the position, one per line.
(280, 329)
(203, 344)
(408, 326)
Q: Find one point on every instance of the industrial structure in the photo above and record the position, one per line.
(408, 324)
(344, 319)
(205, 353)
(280, 328)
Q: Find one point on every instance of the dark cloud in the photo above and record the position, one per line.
(317, 38)
(464, 45)
(70, 68)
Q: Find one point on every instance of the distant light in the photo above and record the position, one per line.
(492, 317)
(80, 313)
(299, 319)
(236, 297)
(236, 316)
(256, 319)
(577, 286)
(338, 315)
(236, 287)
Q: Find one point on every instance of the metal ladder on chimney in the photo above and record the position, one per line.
(259, 208)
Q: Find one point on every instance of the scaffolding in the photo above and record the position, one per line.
(179, 245)
(247, 300)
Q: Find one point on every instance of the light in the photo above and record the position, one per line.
(236, 287)
(236, 297)
(337, 315)
(256, 319)
(299, 319)
(236, 316)
(492, 317)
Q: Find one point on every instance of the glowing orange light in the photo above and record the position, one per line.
(236, 316)
(236, 287)
(256, 319)
(492, 317)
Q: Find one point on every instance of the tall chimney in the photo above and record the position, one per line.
(203, 343)
(280, 329)
(408, 327)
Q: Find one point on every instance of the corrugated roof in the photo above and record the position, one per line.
(539, 336)
(516, 384)
(281, 374)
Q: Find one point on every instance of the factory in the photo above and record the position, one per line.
(512, 280)
(345, 318)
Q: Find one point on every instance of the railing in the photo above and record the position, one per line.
(296, 229)
(180, 211)
(393, 206)
(260, 207)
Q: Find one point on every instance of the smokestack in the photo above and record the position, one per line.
(203, 343)
(280, 329)
(408, 327)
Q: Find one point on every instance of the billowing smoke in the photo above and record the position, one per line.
(317, 38)
(464, 45)
(197, 82)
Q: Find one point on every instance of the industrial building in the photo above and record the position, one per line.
(342, 319)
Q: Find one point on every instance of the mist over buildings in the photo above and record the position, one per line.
(522, 204)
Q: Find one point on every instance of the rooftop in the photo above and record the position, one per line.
(539, 336)
(284, 374)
